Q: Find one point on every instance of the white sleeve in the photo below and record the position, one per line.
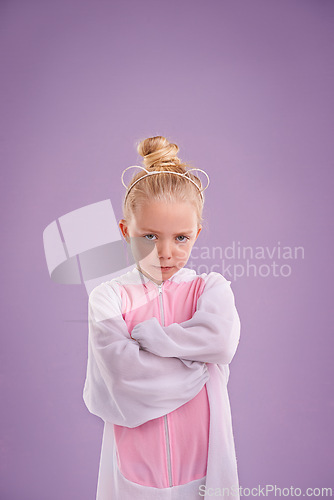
(124, 384)
(211, 335)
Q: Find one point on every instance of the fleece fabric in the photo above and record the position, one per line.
(157, 375)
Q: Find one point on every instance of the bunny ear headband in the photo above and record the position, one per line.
(153, 172)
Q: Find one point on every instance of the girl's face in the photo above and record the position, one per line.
(161, 236)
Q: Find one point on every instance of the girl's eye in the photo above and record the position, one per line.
(152, 237)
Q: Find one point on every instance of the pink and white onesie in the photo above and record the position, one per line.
(157, 374)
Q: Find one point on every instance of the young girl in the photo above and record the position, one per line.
(161, 339)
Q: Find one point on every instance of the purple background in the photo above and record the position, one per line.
(245, 89)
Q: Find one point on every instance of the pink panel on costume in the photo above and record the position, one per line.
(180, 300)
(139, 303)
(189, 438)
(141, 453)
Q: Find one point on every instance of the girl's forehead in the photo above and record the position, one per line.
(161, 212)
(165, 218)
(163, 207)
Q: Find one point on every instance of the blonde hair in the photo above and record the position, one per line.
(160, 154)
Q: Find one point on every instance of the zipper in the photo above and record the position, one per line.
(169, 464)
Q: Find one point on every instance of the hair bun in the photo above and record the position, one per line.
(158, 151)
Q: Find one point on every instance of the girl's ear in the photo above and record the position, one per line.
(199, 230)
(124, 228)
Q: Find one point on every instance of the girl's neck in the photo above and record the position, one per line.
(158, 282)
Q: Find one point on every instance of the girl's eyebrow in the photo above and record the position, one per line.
(175, 234)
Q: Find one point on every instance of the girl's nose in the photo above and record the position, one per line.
(164, 250)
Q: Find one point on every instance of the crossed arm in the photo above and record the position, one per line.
(211, 335)
(132, 380)
(125, 384)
